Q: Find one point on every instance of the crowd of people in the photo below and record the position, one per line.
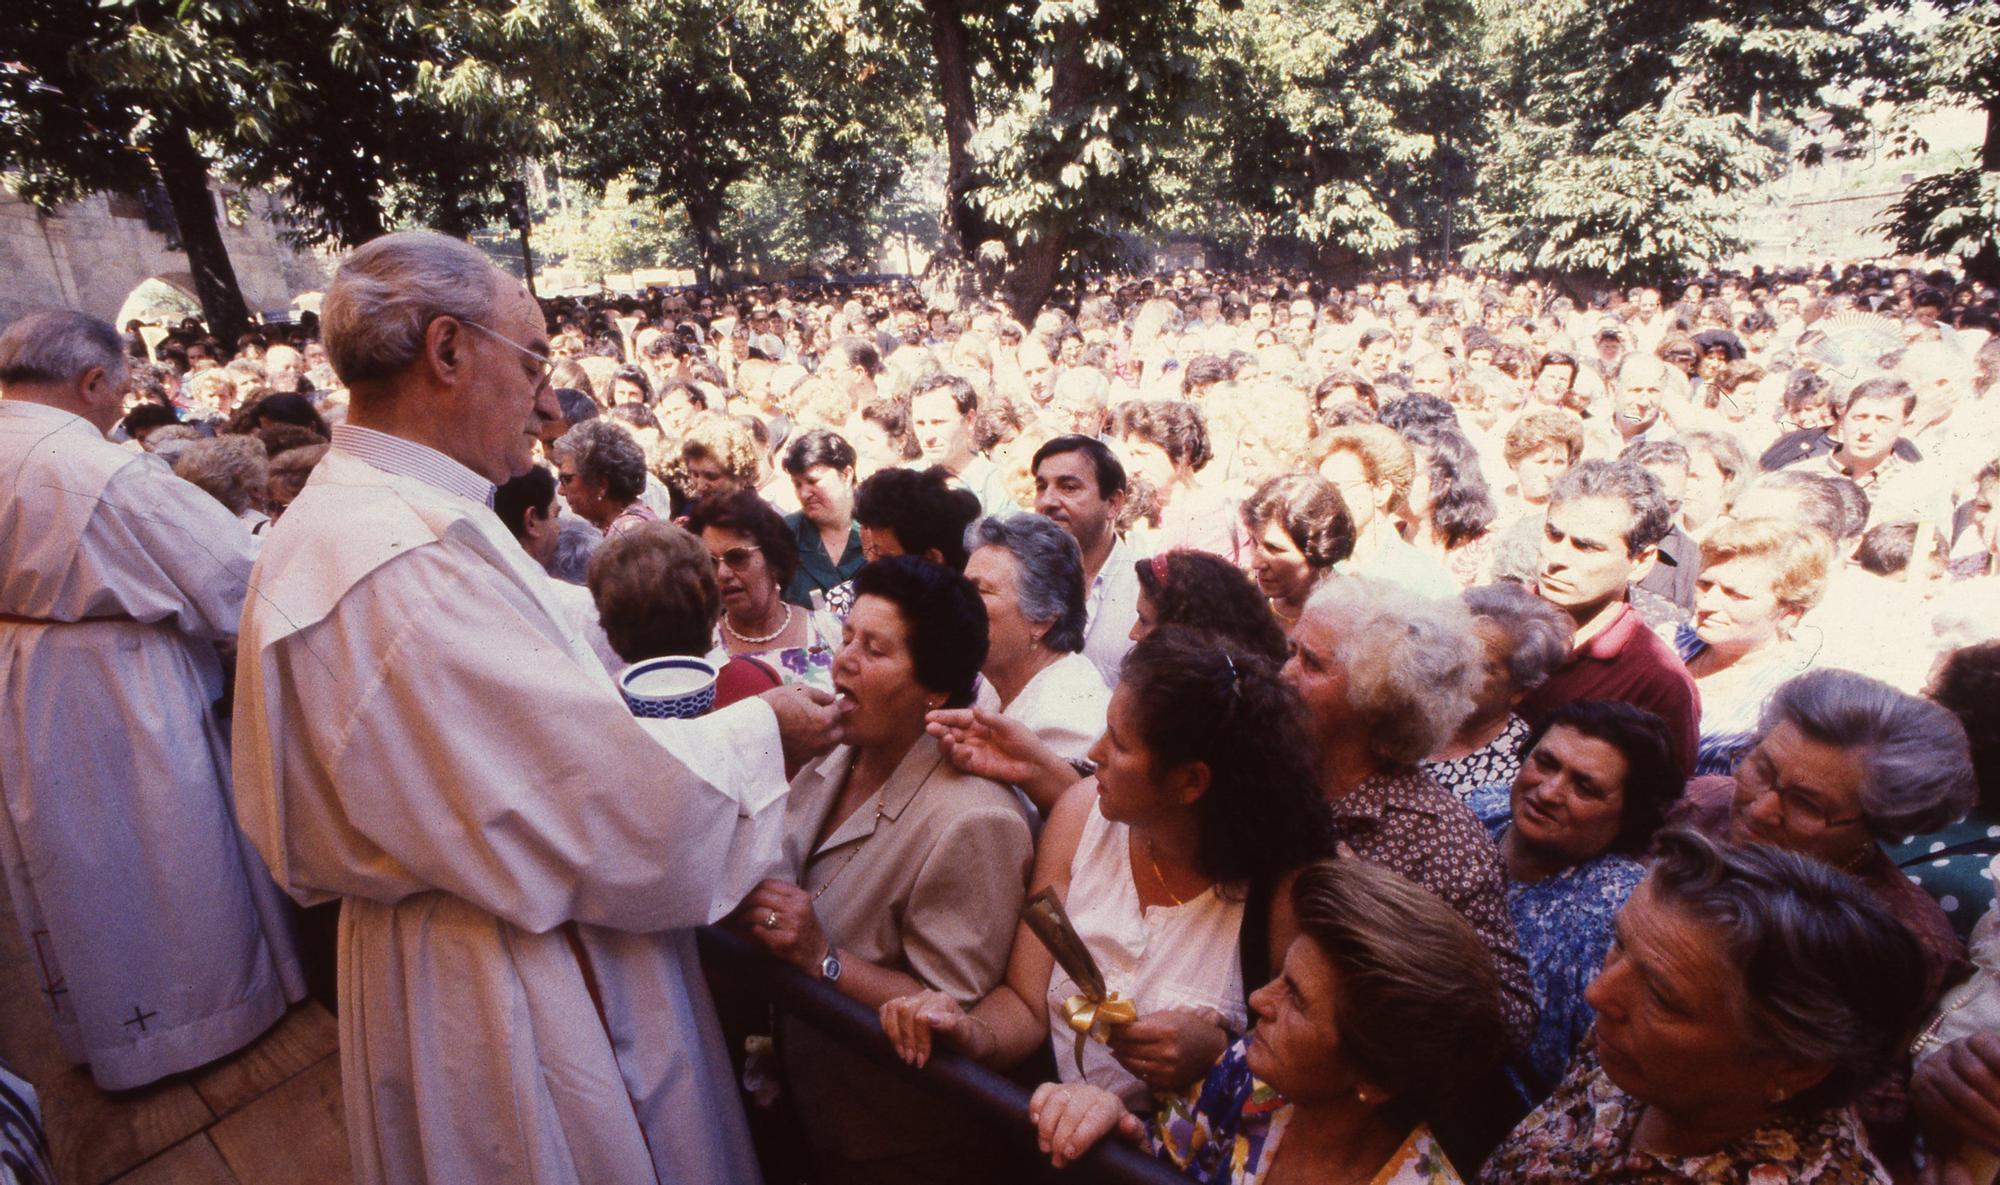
(1469, 730)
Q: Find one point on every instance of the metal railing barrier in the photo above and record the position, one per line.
(978, 1090)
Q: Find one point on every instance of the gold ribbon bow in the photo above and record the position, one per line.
(1094, 1019)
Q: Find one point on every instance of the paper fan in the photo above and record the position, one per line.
(1855, 342)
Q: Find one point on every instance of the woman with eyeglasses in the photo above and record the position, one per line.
(1841, 765)
(755, 555)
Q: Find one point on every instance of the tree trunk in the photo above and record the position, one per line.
(1037, 259)
(956, 276)
(1031, 275)
(452, 216)
(704, 213)
(528, 261)
(964, 227)
(184, 173)
(1985, 266)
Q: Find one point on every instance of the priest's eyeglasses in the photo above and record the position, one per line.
(544, 366)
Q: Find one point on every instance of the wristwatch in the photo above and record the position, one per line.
(829, 967)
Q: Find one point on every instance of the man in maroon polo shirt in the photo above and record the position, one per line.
(1605, 523)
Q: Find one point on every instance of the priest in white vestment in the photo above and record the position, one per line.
(423, 735)
(157, 938)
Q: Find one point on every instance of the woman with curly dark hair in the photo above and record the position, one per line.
(914, 512)
(906, 876)
(1175, 865)
(1299, 528)
(1164, 444)
(1449, 510)
(1194, 588)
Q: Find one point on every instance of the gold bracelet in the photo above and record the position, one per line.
(971, 1019)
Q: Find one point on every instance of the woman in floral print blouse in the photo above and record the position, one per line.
(1386, 1008)
(1752, 994)
(1522, 640)
(1572, 829)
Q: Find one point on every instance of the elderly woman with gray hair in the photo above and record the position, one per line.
(1385, 675)
(1842, 764)
(1030, 574)
(1752, 997)
(601, 472)
(1522, 640)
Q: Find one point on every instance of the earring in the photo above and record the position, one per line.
(1777, 1094)
(1362, 1096)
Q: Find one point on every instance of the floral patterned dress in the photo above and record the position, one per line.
(1584, 1133)
(1565, 926)
(1224, 1130)
(1496, 761)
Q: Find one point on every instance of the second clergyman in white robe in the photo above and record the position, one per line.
(159, 941)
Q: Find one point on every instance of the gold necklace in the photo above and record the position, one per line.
(879, 816)
(828, 883)
(1164, 887)
(1280, 614)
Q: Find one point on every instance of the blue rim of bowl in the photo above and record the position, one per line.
(670, 662)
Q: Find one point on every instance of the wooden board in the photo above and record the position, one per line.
(306, 1035)
(190, 1162)
(292, 1133)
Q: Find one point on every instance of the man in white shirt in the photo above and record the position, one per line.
(1649, 325)
(422, 735)
(159, 940)
(1080, 484)
(941, 414)
(1638, 395)
(1872, 418)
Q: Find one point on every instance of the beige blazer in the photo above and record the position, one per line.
(926, 877)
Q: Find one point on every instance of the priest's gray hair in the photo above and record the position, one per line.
(389, 291)
(1916, 763)
(1048, 573)
(58, 346)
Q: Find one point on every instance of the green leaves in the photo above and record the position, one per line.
(1953, 213)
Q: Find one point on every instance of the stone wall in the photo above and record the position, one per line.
(91, 255)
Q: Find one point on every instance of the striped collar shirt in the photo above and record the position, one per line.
(406, 458)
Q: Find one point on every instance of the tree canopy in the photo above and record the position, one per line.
(1609, 140)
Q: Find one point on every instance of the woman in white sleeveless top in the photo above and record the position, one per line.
(1172, 863)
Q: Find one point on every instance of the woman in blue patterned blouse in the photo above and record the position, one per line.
(1386, 1012)
(1595, 781)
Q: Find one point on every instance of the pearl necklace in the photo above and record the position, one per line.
(759, 641)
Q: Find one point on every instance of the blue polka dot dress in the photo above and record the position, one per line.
(1961, 882)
